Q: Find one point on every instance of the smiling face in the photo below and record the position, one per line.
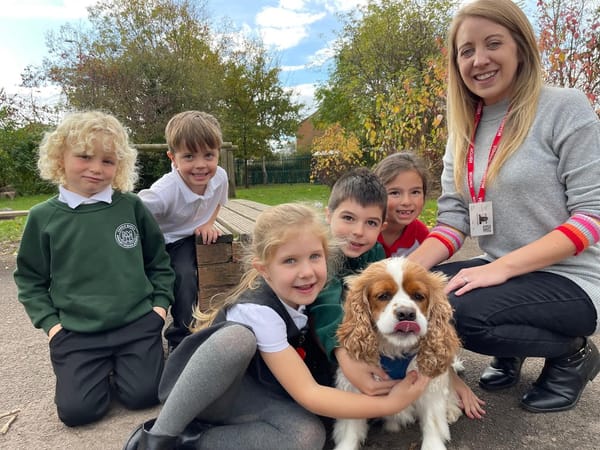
(88, 174)
(196, 168)
(487, 58)
(357, 226)
(405, 200)
(297, 271)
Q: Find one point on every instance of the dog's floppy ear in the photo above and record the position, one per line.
(356, 333)
(440, 345)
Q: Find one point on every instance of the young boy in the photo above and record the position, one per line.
(356, 215)
(185, 203)
(93, 273)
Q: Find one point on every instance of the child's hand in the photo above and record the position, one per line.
(162, 312)
(467, 400)
(411, 387)
(209, 233)
(52, 332)
(368, 379)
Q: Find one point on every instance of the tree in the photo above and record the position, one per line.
(334, 153)
(387, 86)
(412, 116)
(142, 60)
(256, 110)
(570, 44)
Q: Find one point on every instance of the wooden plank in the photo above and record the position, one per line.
(11, 214)
(236, 224)
(243, 210)
(214, 254)
(249, 204)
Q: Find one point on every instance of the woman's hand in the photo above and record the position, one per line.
(476, 277)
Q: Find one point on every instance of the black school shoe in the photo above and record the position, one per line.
(142, 439)
(562, 380)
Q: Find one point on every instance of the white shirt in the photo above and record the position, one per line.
(268, 326)
(177, 209)
(74, 200)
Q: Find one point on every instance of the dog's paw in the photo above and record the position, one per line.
(458, 365)
(453, 412)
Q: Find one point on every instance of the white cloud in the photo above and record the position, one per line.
(322, 55)
(41, 9)
(335, 6)
(284, 27)
(305, 94)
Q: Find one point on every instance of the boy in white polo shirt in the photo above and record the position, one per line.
(185, 203)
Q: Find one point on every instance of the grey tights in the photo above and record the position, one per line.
(215, 388)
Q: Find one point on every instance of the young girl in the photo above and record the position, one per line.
(243, 376)
(405, 179)
(93, 273)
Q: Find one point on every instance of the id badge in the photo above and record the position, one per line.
(481, 218)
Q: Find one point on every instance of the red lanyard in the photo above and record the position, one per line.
(471, 155)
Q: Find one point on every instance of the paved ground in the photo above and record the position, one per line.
(27, 384)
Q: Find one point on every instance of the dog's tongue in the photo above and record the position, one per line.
(407, 326)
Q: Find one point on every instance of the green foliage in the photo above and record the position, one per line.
(391, 45)
(146, 60)
(256, 109)
(18, 152)
(334, 153)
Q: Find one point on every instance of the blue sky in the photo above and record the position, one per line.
(299, 33)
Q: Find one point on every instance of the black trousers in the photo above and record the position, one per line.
(83, 364)
(537, 314)
(183, 261)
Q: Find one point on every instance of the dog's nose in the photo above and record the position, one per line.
(405, 313)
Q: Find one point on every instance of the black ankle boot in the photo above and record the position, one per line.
(142, 439)
(562, 380)
(502, 373)
(191, 435)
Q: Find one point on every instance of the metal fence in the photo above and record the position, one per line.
(283, 170)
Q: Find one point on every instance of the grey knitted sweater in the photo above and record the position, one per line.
(555, 173)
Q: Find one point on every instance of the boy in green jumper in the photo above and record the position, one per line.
(93, 273)
(356, 215)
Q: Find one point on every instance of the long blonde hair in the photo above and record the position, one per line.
(274, 227)
(461, 102)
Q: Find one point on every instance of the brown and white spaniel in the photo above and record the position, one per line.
(397, 316)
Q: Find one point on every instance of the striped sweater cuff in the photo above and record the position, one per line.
(582, 229)
(451, 239)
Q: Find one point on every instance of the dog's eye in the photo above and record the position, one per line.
(384, 296)
(417, 297)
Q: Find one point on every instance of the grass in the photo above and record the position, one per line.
(274, 194)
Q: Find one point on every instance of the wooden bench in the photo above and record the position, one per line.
(219, 267)
(11, 214)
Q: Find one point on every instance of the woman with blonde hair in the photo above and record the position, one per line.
(522, 175)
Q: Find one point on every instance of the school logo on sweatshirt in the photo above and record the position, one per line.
(127, 235)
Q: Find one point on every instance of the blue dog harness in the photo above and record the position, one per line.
(396, 367)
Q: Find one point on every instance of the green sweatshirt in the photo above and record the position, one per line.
(93, 268)
(327, 311)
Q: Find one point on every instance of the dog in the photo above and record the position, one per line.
(397, 314)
